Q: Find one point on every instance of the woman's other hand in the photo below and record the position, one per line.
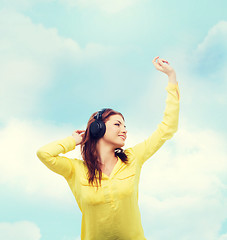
(78, 136)
(163, 66)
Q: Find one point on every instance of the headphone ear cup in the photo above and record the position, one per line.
(97, 129)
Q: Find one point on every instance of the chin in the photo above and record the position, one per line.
(121, 145)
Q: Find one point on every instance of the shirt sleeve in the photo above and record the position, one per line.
(48, 154)
(165, 129)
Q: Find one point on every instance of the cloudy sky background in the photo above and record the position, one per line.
(62, 60)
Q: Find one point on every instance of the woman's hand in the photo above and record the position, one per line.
(163, 66)
(78, 136)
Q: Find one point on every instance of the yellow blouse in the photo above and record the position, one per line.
(112, 211)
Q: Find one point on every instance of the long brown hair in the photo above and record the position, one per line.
(89, 151)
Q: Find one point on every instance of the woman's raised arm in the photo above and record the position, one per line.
(49, 154)
(169, 124)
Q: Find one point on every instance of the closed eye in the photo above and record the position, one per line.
(117, 124)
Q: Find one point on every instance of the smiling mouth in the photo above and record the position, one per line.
(122, 137)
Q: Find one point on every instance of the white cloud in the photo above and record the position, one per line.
(209, 58)
(21, 5)
(202, 71)
(183, 187)
(19, 230)
(216, 35)
(30, 56)
(110, 6)
(223, 237)
(21, 168)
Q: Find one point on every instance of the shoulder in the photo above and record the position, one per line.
(129, 153)
(79, 166)
(77, 162)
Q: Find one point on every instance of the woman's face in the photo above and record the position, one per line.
(116, 132)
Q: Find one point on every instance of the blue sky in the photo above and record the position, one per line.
(62, 60)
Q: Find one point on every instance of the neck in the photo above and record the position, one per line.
(105, 152)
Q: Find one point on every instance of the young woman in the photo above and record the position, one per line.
(105, 183)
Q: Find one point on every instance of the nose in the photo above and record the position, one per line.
(124, 130)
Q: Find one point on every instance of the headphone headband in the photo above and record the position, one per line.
(98, 116)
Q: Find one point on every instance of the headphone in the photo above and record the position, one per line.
(98, 127)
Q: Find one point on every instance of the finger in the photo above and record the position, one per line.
(79, 131)
(82, 132)
(163, 59)
(157, 66)
(160, 62)
(154, 60)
